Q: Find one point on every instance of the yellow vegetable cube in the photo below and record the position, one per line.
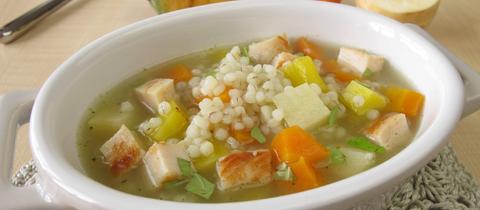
(173, 124)
(204, 164)
(170, 5)
(360, 98)
(302, 70)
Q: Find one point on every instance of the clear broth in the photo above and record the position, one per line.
(137, 182)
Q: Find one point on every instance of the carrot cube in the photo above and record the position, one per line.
(292, 143)
(180, 73)
(405, 101)
(334, 68)
(305, 175)
(309, 49)
(305, 178)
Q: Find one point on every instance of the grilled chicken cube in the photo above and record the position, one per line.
(263, 52)
(282, 58)
(244, 169)
(153, 92)
(122, 151)
(390, 130)
(161, 162)
(359, 60)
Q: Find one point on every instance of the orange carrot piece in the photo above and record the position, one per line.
(305, 178)
(292, 143)
(202, 2)
(309, 49)
(171, 5)
(305, 175)
(331, 66)
(180, 73)
(242, 136)
(405, 101)
(223, 96)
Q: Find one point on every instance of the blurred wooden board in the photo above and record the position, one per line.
(28, 62)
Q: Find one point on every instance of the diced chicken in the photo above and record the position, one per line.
(153, 92)
(244, 169)
(390, 130)
(122, 152)
(359, 60)
(161, 162)
(282, 58)
(263, 52)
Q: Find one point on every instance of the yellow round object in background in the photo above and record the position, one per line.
(420, 12)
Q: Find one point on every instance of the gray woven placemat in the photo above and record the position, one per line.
(443, 184)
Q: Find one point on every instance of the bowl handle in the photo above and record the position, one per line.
(15, 109)
(470, 77)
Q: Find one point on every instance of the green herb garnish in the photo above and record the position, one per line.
(245, 51)
(336, 156)
(185, 167)
(284, 172)
(200, 186)
(196, 183)
(367, 73)
(174, 184)
(210, 72)
(257, 134)
(332, 118)
(365, 143)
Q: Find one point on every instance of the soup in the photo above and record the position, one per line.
(248, 122)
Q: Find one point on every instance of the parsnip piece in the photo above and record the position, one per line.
(356, 161)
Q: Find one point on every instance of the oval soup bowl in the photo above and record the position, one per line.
(67, 94)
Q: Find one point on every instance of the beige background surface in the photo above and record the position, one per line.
(28, 62)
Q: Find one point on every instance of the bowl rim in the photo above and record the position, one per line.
(81, 186)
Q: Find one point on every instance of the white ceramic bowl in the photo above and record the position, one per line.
(96, 68)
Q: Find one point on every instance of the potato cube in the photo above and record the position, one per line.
(161, 162)
(356, 161)
(302, 107)
(122, 152)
